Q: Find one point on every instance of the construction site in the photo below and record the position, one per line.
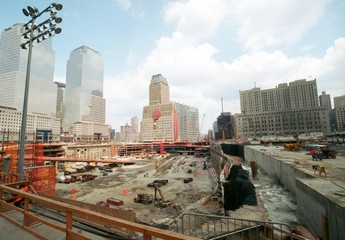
(169, 191)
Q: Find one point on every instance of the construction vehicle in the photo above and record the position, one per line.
(143, 198)
(328, 153)
(293, 146)
(114, 201)
(160, 200)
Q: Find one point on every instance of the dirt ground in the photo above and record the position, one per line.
(198, 196)
(126, 182)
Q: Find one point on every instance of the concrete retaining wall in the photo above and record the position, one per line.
(285, 173)
(314, 197)
(313, 204)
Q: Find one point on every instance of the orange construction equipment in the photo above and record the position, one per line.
(17, 202)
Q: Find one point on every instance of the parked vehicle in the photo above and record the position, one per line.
(115, 201)
(61, 179)
(87, 177)
(328, 153)
(143, 198)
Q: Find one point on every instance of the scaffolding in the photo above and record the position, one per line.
(41, 176)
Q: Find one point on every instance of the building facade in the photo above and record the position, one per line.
(339, 107)
(60, 106)
(224, 126)
(84, 113)
(37, 123)
(187, 122)
(164, 120)
(289, 109)
(129, 133)
(325, 100)
(13, 67)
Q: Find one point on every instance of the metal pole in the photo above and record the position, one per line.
(25, 108)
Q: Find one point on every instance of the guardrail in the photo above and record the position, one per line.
(223, 227)
(30, 219)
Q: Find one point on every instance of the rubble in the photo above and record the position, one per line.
(197, 196)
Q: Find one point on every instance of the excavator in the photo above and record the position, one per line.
(148, 198)
(160, 200)
(293, 146)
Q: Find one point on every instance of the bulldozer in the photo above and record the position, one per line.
(293, 146)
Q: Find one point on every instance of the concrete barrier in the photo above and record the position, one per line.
(319, 208)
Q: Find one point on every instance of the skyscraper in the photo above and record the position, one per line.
(159, 120)
(164, 120)
(135, 124)
(325, 100)
(13, 66)
(339, 106)
(159, 90)
(60, 99)
(187, 122)
(84, 102)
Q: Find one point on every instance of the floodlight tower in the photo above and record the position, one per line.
(35, 32)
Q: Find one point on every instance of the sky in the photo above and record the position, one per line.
(208, 50)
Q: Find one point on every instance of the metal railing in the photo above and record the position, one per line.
(29, 219)
(223, 227)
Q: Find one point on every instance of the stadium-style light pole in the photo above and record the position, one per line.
(35, 32)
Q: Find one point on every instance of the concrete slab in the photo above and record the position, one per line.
(11, 231)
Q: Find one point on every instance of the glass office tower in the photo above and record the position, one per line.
(13, 66)
(84, 88)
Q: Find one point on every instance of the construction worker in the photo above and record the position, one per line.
(319, 154)
(19, 200)
(313, 154)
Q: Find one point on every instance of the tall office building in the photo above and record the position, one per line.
(13, 67)
(187, 122)
(135, 124)
(325, 100)
(60, 99)
(84, 103)
(224, 126)
(164, 120)
(339, 106)
(159, 92)
(285, 110)
(129, 133)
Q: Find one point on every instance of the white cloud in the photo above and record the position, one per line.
(258, 24)
(264, 23)
(197, 79)
(125, 4)
(197, 19)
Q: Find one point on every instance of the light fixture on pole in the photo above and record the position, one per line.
(35, 32)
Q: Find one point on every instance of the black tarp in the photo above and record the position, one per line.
(238, 190)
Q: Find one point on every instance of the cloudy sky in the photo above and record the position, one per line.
(207, 49)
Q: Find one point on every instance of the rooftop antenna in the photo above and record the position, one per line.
(254, 84)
